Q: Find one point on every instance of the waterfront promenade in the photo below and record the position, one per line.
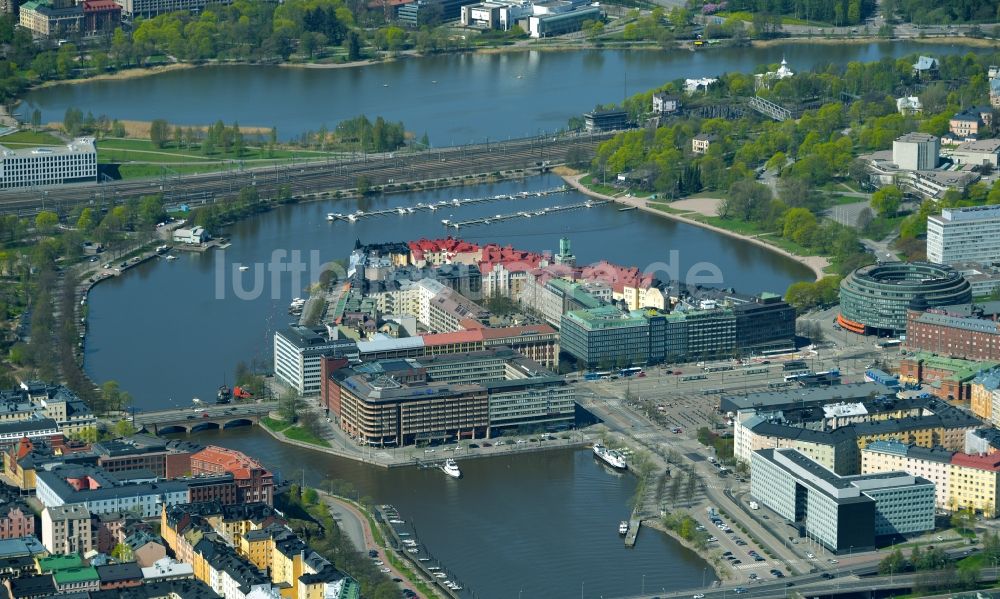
(815, 263)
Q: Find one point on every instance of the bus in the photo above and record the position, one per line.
(794, 365)
(629, 371)
(719, 368)
(790, 378)
(596, 376)
(890, 343)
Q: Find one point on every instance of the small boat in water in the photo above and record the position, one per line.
(623, 527)
(451, 468)
(627, 208)
(244, 268)
(609, 456)
(171, 257)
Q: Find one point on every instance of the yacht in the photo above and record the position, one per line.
(244, 268)
(610, 456)
(401, 210)
(171, 257)
(451, 468)
(623, 527)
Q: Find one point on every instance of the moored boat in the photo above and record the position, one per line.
(609, 456)
(623, 527)
(451, 468)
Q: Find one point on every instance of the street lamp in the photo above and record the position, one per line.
(643, 584)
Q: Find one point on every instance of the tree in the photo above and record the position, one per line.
(117, 129)
(364, 185)
(892, 563)
(124, 428)
(353, 45)
(45, 222)
(675, 489)
(310, 496)
(36, 118)
(690, 486)
(289, 405)
(963, 519)
(159, 132)
(886, 201)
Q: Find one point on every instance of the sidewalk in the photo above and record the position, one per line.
(348, 509)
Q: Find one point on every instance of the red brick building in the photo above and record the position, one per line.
(254, 483)
(967, 331)
(949, 378)
(101, 15)
(16, 520)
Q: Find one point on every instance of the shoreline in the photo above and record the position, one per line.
(814, 263)
(528, 46)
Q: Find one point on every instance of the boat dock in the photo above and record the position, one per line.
(522, 214)
(403, 538)
(453, 203)
(633, 531)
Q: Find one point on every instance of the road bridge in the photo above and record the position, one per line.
(311, 178)
(209, 417)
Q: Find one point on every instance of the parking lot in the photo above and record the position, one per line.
(748, 562)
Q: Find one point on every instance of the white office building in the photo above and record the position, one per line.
(843, 513)
(964, 235)
(54, 165)
(150, 8)
(916, 152)
(297, 353)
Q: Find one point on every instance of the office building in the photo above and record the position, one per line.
(297, 352)
(964, 235)
(165, 459)
(132, 9)
(598, 120)
(67, 529)
(967, 331)
(874, 299)
(981, 152)
(51, 165)
(405, 401)
(842, 513)
(558, 23)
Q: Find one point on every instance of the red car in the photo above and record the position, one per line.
(204, 414)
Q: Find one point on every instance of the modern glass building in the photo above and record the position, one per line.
(874, 299)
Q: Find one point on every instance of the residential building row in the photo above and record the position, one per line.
(833, 425)
(961, 481)
(37, 401)
(248, 550)
(398, 402)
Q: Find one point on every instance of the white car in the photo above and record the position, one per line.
(385, 570)
(810, 556)
(699, 596)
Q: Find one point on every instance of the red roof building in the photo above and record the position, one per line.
(254, 483)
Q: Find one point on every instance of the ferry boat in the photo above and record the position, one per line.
(609, 456)
(451, 468)
(623, 527)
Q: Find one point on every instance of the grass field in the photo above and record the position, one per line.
(143, 150)
(298, 433)
(31, 138)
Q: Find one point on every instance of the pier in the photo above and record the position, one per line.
(633, 531)
(403, 539)
(522, 214)
(453, 203)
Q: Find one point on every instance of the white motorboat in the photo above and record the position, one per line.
(451, 468)
(609, 456)
(244, 268)
(331, 216)
(401, 210)
(623, 527)
(171, 257)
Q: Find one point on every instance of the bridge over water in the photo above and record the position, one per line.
(208, 417)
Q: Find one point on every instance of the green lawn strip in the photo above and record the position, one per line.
(143, 171)
(274, 425)
(297, 433)
(38, 138)
(666, 208)
(250, 152)
(588, 182)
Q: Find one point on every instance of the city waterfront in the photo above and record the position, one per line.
(558, 536)
(189, 311)
(454, 98)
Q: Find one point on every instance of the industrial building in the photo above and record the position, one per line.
(964, 235)
(842, 513)
(874, 299)
(50, 165)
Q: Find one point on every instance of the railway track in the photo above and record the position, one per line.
(311, 177)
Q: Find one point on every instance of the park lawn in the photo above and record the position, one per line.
(145, 151)
(666, 208)
(835, 199)
(31, 138)
(744, 15)
(273, 424)
(588, 182)
(298, 433)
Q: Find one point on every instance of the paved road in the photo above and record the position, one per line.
(314, 177)
(196, 412)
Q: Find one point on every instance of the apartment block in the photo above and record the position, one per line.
(67, 529)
